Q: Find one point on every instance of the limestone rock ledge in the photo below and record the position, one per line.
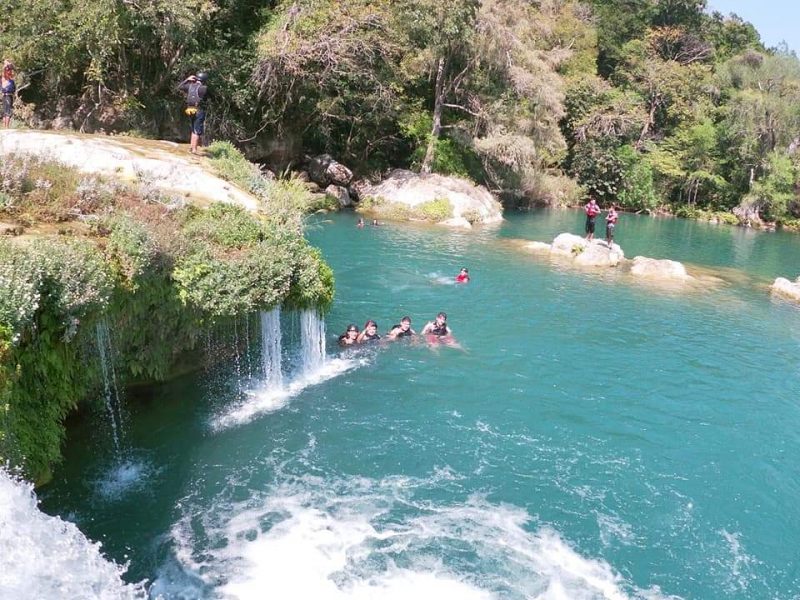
(165, 165)
(595, 253)
(471, 204)
(786, 288)
(658, 269)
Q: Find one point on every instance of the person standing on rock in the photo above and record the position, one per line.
(611, 224)
(197, 96)
(592, 210)
(9, 89)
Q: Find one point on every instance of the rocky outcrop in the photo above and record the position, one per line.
(341, 194)
(471, 204)
(658, 269)
(324, 171)
(786, 288)
(164, 165)
(595, 253)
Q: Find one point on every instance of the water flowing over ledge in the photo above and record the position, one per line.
(46, 557)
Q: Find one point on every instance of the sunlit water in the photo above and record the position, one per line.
(595, 438)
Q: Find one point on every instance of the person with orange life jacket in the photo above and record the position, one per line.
(592, 210)
(611, 223)
(197, 96)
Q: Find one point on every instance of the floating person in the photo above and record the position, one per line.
(375, 223)
(350, 336)
(360, 223)
(369, 333)
(463, 275)
(402, 329)
(611, 224)
(8, 87)
(592, 210)
(197, 97)
(437, 332)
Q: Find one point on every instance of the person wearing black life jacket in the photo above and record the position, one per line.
(350, 336)
(402, 329)
(369, 333)
(438, 327)
(197, 96)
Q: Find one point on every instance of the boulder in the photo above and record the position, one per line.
(359, 189)
(595, 253)
(341, 194)
(787, 289)
(324, 171)
(658, 269)
(599, 254)
(471, 203)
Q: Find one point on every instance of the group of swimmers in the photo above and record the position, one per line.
(436, 330)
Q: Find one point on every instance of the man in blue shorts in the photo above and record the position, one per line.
(197, 96)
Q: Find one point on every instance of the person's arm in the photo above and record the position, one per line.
(392, 333)
(427, 328)
(183, 86)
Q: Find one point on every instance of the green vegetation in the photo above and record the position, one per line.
(160, 277)
(655, 105)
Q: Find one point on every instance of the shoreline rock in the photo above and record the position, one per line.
(471, 204)
(655, 268)
(786, 289)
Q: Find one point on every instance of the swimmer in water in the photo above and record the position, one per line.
(369, 333)
(463, 275)
(402, 329)
(438, 327)
(350, 336)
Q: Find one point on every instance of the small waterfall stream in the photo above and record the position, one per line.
(271, 349)
(312, 341)
(105, 350)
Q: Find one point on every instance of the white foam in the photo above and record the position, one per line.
(357, 539)
(122, 478)
(269, 399)
(45, 557)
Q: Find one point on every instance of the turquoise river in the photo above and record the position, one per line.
(594, 437)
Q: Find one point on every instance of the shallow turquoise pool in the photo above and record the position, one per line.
(595, 438)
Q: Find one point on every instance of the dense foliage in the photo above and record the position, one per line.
(655, 104)
(157, 275)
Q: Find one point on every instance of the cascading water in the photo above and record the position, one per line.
(271, 347)
(105, 350)
(45, 557)
(312, 341)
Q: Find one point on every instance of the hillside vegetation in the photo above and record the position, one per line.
(656, 104)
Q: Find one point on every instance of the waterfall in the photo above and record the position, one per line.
(45, 557)
(110, 390)
(312, 341)
(271, 347)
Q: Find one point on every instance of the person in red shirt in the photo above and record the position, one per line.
(463, 275)
(592, 210)
(611, 223)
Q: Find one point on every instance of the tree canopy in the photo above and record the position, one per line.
(655, 104)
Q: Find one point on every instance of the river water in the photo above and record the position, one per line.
(594, 437)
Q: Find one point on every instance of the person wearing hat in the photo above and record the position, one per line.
(8, 88)
(197, 96)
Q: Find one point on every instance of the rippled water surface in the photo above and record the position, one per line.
(594, 437)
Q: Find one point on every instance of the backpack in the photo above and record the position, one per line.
(193, 94)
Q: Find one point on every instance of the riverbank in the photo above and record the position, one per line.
(119, 272)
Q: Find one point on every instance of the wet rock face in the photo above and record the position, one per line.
(786, 288)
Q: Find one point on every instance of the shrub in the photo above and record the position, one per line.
(435, 210)
(230, 164)
(131, 246)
